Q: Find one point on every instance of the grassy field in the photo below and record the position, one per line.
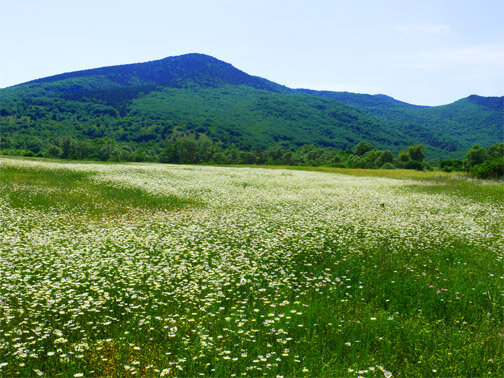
(158, 270)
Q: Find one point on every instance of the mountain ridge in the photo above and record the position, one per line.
(165, 71)
(233, 108)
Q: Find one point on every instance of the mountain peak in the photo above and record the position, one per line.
(194, 56)
(493, 103)
(174, 71)
(191, 59)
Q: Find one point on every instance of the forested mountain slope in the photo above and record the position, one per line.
(461, 124)
(198, 97)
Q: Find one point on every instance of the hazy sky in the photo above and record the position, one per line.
(427, 52)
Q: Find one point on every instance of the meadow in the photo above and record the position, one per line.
(171, 270)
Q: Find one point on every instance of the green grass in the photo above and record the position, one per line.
(340, 296)
(476, 190)
(358, 172)
(449, 183)
(67, 191)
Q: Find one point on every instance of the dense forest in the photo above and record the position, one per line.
(246, 117)
(135, 111)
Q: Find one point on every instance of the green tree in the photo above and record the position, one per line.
(54, 151)
(231, 155)
(416, 152)
(82, 149)
(5, 142)
(68, 148)
(274, 155)
(355, 162)
(170, 154)
(496, 151)
(476, 155)
(106, 150)
(384, 157)
(414, 164)
(139, 155)
(248, 157)
(450, 165)
(308, 154)
(402, 158)
(490, 169)
(369, 158)
(361, 148)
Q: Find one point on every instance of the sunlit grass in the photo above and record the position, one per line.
(451, 183)
(476, 190)
(281, 272)
(70, 190)
(359, 172)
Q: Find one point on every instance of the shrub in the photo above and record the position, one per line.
(337, 165)
(355, 162)
(414, 164)
(490, 169)
(450, 165)
(388, 166)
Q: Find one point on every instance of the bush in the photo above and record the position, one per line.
(490, 169)
(383, 158)
(355, 162)
(414, 164)
(54, 151)
(388, 166)
(451, 165)
(337, 165)
(402, 156)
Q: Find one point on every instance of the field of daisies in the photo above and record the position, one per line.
(159, 270)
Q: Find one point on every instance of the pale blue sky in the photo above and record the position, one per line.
(427, 52)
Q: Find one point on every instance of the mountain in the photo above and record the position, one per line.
(452, 127)
(177, 72)
(198, 97)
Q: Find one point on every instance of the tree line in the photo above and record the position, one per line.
(478, 161)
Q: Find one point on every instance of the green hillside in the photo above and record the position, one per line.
(452, 127)
(240, 115)
(198, 97)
